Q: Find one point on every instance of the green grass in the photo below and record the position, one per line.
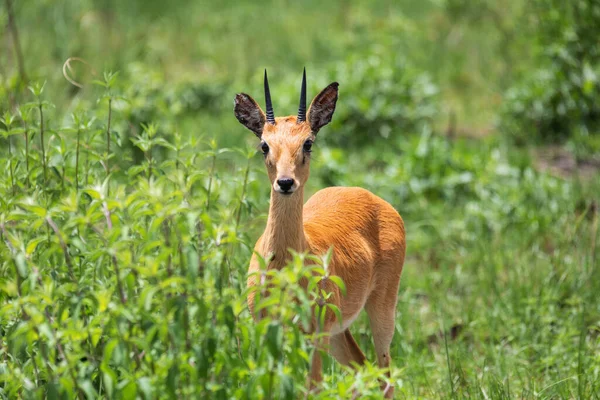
(503, 267)
(123, 268)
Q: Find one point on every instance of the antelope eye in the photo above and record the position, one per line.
(265, 148)
(307, 146)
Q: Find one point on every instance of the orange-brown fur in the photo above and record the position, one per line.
(367, 235)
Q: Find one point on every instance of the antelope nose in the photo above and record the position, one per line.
(285, 184)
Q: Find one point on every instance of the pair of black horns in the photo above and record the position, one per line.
(301, 107)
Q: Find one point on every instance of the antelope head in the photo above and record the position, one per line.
(286, 142)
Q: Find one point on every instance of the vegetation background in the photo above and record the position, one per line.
(131, 197)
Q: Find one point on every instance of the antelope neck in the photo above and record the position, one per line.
(284, 229)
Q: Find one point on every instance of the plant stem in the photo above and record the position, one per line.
(62, 178)
(107, 166)
(149, 159)
(27, 155)
(87, 166)
(35, 367)
(108, 135)
(167, 235)
(239, 213)
(199, 235)
(10, 165)
(63, 246)
(184, 295)
(114, 262)
(231, 250)
(448, 363)
(42, 142)
(77, 161)
(210, 180)
(270, 390)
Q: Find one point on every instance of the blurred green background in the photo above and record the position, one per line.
(468, 53)
(479, 120)
(475, 59)
(533, 63)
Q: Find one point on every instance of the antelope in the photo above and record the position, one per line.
(366, 233)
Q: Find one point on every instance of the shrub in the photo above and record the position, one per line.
(129, 283)
(561, 97)
(382, 96)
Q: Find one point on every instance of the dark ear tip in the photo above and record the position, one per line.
(334, 85)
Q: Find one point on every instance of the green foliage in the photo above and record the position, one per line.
(200, 54)
(382, 94)
(560, 97)
(133, 285)
(129, 207)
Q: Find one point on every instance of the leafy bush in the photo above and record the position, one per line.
(560, 98)
(150, 100)
(382, 96)
(131, 284)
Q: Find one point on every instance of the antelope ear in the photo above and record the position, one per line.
(322, 107)
(248, 112)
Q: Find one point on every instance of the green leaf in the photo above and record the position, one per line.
(93, 193)
(287, 387)
(21, 263)
(37, 210)
(88, 389)
(146, 297)
(268, 302)
(145, 385)
(327, 259)
(109, 377)
(108, 351)
(52, 391)
(273, 339)
(172, 379)
(322, 313)
(229, 318)
(33, 243)
(339, 282)
(129, 392)
(336, 311)
(45, 330)
(99, 83)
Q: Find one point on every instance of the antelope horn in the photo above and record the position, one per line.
(302, 106)
(270, 113)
